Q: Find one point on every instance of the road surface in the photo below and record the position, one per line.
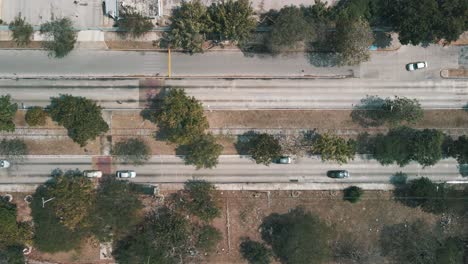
(244, 94)
(231, 169)
(94, 63)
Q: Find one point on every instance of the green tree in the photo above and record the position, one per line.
(80, 116)
(426, 21)
(14, 149)
(203, 152)
(61, 37)
(352, 194)
(401, 109)
(335, 148)
(410, 243)
(352, 41)
(181, 117)
(133, 22)
(255, 252)
(264, 148)
(289, 28)
(460, 149)
(424, 193)
(7, 113)
(208, 237)
(74, 198)
(199, 199)
(163, 238)
(451, 251)
(116, 210)
(133, 150)
(297, 237)
(21, 31)
(12, 255)
(232, 20)
(36, 116)
(188, 26)
(13, 233)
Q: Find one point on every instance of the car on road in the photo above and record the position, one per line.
(283, 160)
(416, 65)
(4, 164)
(92, 173)
(338, 174)
(125, 174)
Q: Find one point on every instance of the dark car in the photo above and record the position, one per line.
(283, 160)
(338, 174)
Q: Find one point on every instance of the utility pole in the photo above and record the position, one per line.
(169, 62)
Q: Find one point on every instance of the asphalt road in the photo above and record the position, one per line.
(218, 94)
(232, 169)
(93, 63)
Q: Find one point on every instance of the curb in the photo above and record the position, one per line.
(227, 77)
(444, 73)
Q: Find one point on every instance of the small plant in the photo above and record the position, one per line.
(36, 116)
(21, 31)
(352, 194)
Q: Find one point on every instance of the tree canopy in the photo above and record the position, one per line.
(460, 149)
(7, 113)
(21, 31)
(133, 151)
(133, 22)
(14, 149)
(36, 116)
(13, 233)
(255, 252)
(335, 148)
(401, 109)
(208, 238)
(203, 152)
(263, 148)
(352, 41)
(80, 116)
(297, 237)
(61, 37)
(424, 193)
(198, 198)
(181, 117)
(352, 194)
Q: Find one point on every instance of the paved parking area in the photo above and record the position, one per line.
(84, 13)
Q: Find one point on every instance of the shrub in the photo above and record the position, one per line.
(352, 194)
(22, 31)
(134, 151)
(36, 116)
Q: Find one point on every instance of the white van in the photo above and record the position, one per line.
(92, 173)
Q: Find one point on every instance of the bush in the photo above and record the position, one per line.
(352, 194)
(133, 22)
(133, 151)
(263, 148)
(61, 37)
(14, 149)
(22, 31)
(255, 252)
(36, 116)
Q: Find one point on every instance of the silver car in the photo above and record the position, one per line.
(416, 65)
(4, 164)
(125, 174)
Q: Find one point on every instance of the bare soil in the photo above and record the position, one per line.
(461, 72)
(12, 45)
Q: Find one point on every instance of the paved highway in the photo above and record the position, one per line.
(93, 63)
(231, 169)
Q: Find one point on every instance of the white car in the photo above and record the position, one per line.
(4, 164)
(126, 174)
(92, 173)
(416, 65)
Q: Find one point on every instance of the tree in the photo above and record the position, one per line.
(61, 37)
(21, 31)
(297, 237)
(410, 243)
(289, 28)
(133, 22)
(352, 194)
(401, 109)
(74, 198)
(335, 148)
(264, 148)
(232, 20)
(116, 209)
(163, 238)
(133, 150)
(36, 116)
(424, 193)
(14, 149)
(188, 26)
(451, 251)
(460, 149)
(12, 255)
(13, 233)
(181, 117)
(7, 113)
(426, 21)
(352, 41)
(208, 238)
(255, 252)
(203, 152)
(199, 199)
(80, 116)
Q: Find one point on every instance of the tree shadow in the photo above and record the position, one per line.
(365, 145)
(463, 170)
(243, 142)
(369, 112)
(382, 39)
(465, 107)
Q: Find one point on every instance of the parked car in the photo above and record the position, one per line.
(126, 174)
(416, 65)
(338, 174)
(92, 173)
(283, 160)
(4, 164)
